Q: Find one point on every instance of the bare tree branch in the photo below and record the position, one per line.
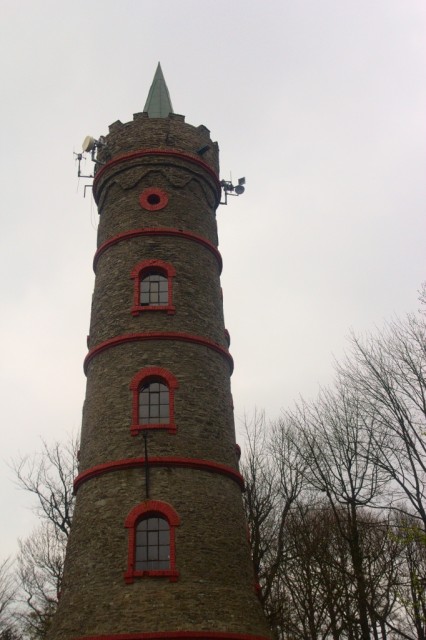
(49, 477)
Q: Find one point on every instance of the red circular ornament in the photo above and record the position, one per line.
(153, 199)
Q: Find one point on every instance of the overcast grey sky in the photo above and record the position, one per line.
(321, 105)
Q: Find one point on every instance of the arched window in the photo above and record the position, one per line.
(152, 544)
(151, 550)
(154, 403)
(153, 400)
(153, 287)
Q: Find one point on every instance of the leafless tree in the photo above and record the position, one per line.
(7, 593)
(49, 476)
(361, 447)
(408, 620)
(314, 591)
(11, 633)
(273, 473)
(312, 576)
(389, 373)
(40, 568)
(341, 456)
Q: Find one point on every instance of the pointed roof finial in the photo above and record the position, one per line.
(158, 103)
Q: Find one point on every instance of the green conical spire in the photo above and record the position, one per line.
(158, 103)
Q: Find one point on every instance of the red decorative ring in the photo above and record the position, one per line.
(186, 463)
(133, 155)
(176, 635)
(158, 231)
(158, 335)
(153, 199)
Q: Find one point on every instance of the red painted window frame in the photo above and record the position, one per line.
(144, 377)
(143, 269)
(149, 508)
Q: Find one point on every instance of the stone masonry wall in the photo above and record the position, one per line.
(215, 588)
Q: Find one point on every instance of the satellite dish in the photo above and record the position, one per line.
(89, 143)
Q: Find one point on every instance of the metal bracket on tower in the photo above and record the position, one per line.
(89, 144)
(79, 157)
(230, 190)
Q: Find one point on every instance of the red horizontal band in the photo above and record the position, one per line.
(158, 231)
(158, 335)
(186, 463)
(133, 155)
(172, 635)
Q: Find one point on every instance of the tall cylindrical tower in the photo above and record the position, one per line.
(158, 547)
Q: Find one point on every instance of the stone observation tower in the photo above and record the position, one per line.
(159, 546)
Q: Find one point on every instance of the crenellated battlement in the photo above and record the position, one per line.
(171, 132)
